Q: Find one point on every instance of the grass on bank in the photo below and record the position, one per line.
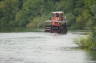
(86, 42)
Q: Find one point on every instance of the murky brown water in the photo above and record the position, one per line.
(39, 47)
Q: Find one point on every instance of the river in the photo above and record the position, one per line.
(39, 47)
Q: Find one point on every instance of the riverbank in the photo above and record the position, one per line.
(19, 29)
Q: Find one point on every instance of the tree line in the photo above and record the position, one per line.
(81, 14)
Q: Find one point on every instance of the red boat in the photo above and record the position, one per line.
(57, 24)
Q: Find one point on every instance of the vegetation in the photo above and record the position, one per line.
(81, 14)
(86, 42)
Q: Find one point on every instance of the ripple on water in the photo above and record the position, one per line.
(40, 48)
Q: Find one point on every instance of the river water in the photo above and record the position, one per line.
(39, 47)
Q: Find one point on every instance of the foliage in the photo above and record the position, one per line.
(37, 22)
(81, 14)
(86, 42)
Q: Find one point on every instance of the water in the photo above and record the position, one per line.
(39, 47)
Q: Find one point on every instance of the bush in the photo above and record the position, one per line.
(86, 42)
